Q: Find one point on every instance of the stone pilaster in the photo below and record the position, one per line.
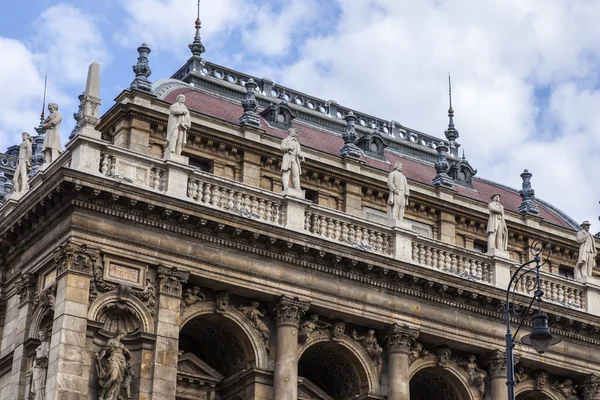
(26, 292)
(288, 313)
(497, 373)
(591, 387)
(170, 281)
(400, 341)
(67, 374)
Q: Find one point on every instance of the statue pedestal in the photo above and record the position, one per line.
(177, 178)
(177, 158)
(402, 238)
(498, 253)
(396, 223)
(295, 211)
(298, 193)
(592, 294)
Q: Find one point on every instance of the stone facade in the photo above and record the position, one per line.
(203, 281)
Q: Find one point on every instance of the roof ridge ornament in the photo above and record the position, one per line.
(350, 149)
(142, 70)
(250, 105)
(528, 205)
(196, 46)
(451, 133)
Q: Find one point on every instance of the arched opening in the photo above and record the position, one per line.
(329, 371)
(533, 395)
(435, 383)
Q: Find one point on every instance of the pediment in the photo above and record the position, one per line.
(309, 391)
(192, 366)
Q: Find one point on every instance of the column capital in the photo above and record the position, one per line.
(75, 257)
(288, 311)
(171, 280)
(497, 363)
(401, 338)
(26, 288)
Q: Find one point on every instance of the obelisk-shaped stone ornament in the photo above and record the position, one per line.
(89, 105)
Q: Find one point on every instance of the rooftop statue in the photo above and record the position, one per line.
(496, 228)
(292, 156)
(177, 127)
(399, 192)
(587, 252)
(51, 125)
(20, 180)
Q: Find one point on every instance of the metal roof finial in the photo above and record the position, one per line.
(39, 129)
(196, 46)
(451, 133)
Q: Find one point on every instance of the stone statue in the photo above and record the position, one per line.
(191, 296)
(21, 178)
(113, 365)
(177, 127)
(255, 316)
(416, 352)
(444, 354)
(399, 192)
(496, 228)
(521, 375)
(541, 379)
(309, 326)
(292, 156)
(338, 330)
(369, 342)
(476, 374)
(221, 302)
(587, 252)
(52, 147)
(40, 367)
(566, 388)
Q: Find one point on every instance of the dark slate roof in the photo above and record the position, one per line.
(312, 137)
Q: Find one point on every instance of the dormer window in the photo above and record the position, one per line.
(373, 144)
(462, 173)
(279, 115)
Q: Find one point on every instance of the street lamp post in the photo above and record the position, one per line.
(540, 337)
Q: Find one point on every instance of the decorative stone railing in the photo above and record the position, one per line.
(236, 197)
(136, 169)
(451, 259)
(556, 289)
(341, 227)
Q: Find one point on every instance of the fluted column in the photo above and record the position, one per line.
(400, 341)
(288, 313)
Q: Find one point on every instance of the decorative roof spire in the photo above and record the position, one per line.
(350, 149)
(441, 167)
(196, 46)
(528, 205)
(39, 129)
(250, 105)
(451, 132)
(142, 70)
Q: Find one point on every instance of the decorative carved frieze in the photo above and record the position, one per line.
(256, 316)
(289, 311)
(171, 280)
(338, 330)
(444, 354)
(74, 257)
(566, 388)
(401, 339)
(148, 295)
(311, 325)
(191, 296)
(371, 346)
(476, 374)
(591, 387)
(541, 380)
(26, 288)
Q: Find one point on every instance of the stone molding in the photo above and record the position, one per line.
(288, 311)
(72, 257)
(401, 339)
(171, 280)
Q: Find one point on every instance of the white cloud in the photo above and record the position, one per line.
(64, 43)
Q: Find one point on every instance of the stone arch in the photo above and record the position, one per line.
(242, 329)
(456, 377)
(40, 318)
(132, 305)
(364, 367)
(531, 386)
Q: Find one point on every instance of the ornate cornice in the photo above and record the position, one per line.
(288, 311)
(401, 339)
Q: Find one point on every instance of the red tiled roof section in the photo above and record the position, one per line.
(323, 141)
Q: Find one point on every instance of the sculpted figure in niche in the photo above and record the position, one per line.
(178, 126)
(40, 367)
(114, 368)
(496, 228)
(587, 252)
(369, 342)
(309, 326)
(292, 156)
(21, 178)
(52, 147)
(399, 192)
(476, 374)
(255, 316)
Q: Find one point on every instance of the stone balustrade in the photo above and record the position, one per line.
(451, 259)
(341, 227)
(236, 197)
(556, 289)
(135, 169)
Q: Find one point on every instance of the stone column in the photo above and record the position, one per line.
(26, 292)
(497, 374)
(288, 313)
(67, 375)
(400, 341)
(164, 381)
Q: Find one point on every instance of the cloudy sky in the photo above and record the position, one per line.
(525, 73)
